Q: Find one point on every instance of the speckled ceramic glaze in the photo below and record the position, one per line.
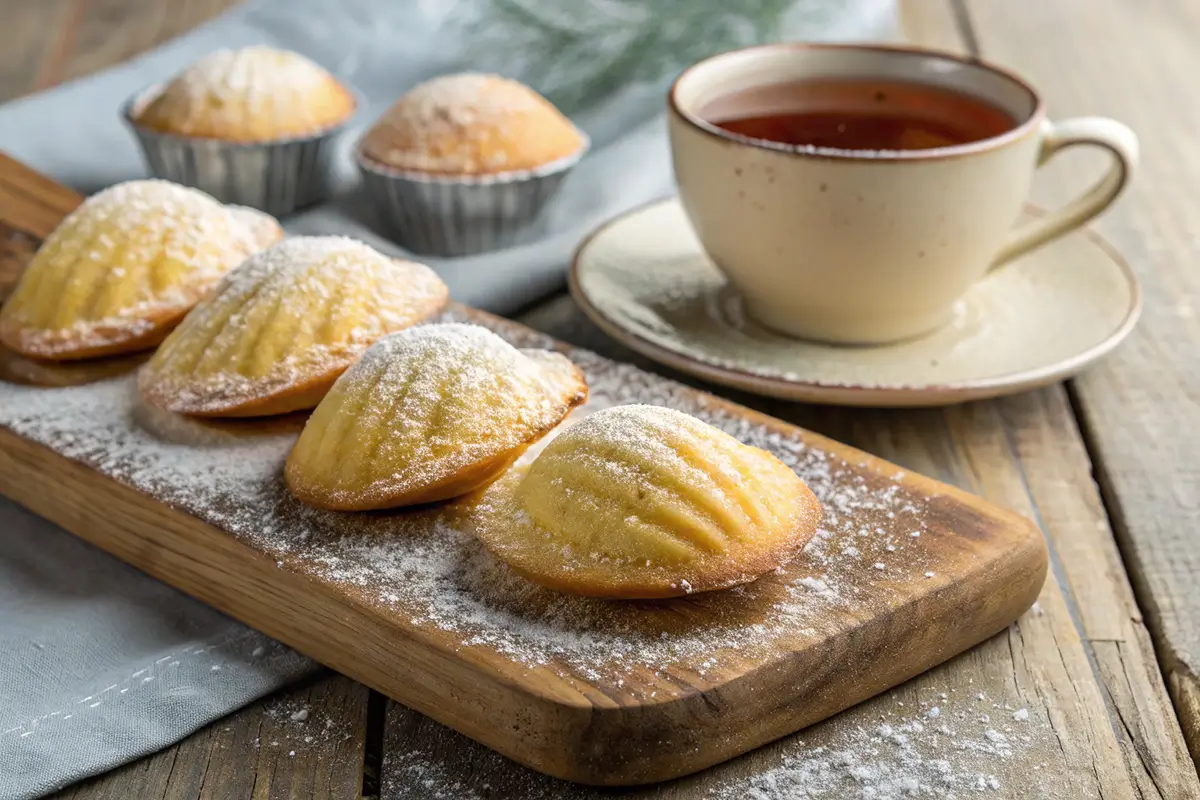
(645, 280)
(869, 247)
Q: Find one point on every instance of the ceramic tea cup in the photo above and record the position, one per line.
(870, 246)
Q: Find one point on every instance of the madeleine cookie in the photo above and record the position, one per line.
(427, 414)
(641, 501)
(281, 328)
(123, 269)
(256, 126)
(465, 163)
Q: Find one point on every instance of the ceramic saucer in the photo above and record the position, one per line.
(644, 279)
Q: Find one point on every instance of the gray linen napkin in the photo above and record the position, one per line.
(100, 664)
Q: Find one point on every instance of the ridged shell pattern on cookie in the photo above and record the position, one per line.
(285, 324)
(646, 501)
(123, 268)
(428, 413)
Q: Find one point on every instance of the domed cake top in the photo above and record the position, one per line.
(471, 124)
(252, 94)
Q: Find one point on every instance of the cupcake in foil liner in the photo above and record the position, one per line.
(276, 176)
(459, 215)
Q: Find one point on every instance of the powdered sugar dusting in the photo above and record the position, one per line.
(233, 73)
(264, 230)
(467, 98)
(905, 752)
(305, 308)
(906, 755)
(424, 569)
(471, 123)
(136, 251)
(254, 92)
(429, 403)
(591, 514)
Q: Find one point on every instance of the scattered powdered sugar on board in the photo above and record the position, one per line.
(916, 753)
(315, 303)
(422, 568)
(904, 752)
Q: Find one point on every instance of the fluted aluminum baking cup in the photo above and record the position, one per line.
(458, 215)
(277, 177)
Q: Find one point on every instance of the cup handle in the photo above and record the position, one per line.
(1113, 136)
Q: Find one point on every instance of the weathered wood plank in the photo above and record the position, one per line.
(1113, 731)
(1038, 665)
(43, 43)
(1140, 408)
(112, 31)
(302, 743)
(1025, 452)
(46, 42)
(1128, 657)
(37, 205)
(31, 32)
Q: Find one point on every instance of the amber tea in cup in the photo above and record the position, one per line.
(855, 193)
(871, 114)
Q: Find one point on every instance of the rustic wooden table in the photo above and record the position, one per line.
(1096, 690)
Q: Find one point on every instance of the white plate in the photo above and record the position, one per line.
(644, 279)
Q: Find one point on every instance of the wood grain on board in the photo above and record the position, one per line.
(33, 205)
(1013, 452)
(1111, 729)
(1082, 661)
(1140, 408)
(643, 727)
(577, 722)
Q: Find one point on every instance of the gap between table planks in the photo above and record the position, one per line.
(1025, 451)
(1140, 408)
(644, 725)
(1085, 662)
(1013, 452)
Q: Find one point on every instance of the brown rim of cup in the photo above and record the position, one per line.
(1019, 131)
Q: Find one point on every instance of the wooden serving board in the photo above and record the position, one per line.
(905, 573)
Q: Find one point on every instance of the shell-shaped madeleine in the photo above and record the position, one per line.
(427, 414)
(279, 330)
(122, 269)
(641, 501)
